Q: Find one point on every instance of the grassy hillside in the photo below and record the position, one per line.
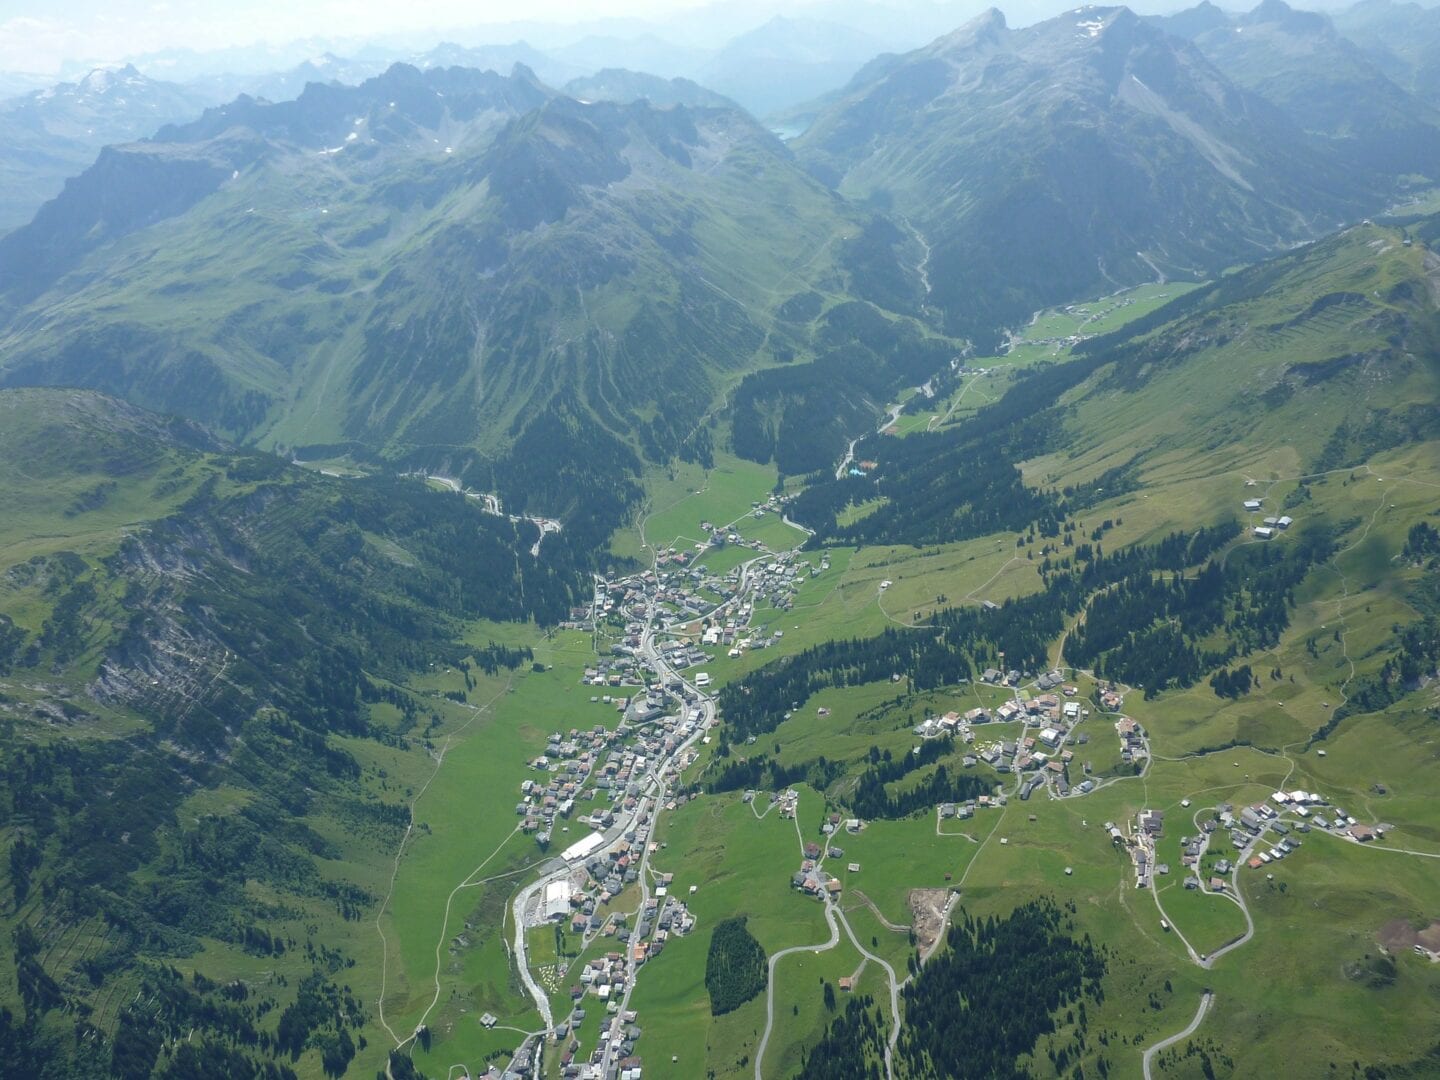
(1308, 382)
(261, 728)
(219, 697)
(1304, 364)
(461, 272)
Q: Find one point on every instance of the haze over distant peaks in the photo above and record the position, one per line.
(620, 85)
(1088, 144)
(51, 134)
(1326, 84)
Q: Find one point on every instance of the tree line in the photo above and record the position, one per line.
(1163, 630)
(979, 1005)
(299, 604)
(960, 640)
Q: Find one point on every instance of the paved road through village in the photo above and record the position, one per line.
(655, 786)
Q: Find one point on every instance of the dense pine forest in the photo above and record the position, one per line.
(871, 797)
(853, 1047)
(735, 969)
(980, 1005)
(1150, 630)
(998, 987)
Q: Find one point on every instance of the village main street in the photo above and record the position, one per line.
(653, 786)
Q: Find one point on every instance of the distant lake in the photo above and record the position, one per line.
(786, 132)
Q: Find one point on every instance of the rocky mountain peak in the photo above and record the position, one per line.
(1280, 14)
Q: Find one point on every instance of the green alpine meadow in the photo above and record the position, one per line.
(870, 539)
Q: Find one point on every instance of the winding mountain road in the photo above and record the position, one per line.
(1206, 999)
(894, 987)
(770, 982)
(1239, 900)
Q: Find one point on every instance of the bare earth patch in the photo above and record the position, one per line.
(1401, 935)
(927, 915)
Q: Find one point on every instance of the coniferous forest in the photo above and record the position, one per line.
(979, 1005)
(735, 967)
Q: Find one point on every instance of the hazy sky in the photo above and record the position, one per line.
(39, 35)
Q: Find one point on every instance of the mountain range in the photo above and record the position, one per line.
(1323, 82)
(47, 136)
(1402, 38)
(624, 86)
(297, 697)
(449, 268)
(220, 670)
(50, 134)
(1080, 153)
(454, 269)
(1328, 353)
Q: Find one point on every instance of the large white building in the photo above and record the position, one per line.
(583, 848)
(557, 899)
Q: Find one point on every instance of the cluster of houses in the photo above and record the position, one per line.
(734, 634)
(1314, 811)
(1149, 827)
(621, 1029)
(623, 598)
(610, 769)
(543, 801)
(607, 771)
(780, 579)
(965, 810)
(608, 874)
(680, 593)
(661, 917)
(1041, 751)
(1133, 746)
(996, 677)
(684, 594)
(1044, 711)
(777, 582)
(601, 767)
(620, 669)
(595, 879)
(1246, 827)
(699, 608)
(1271, 525)
(812, 878)
(680, 653)
(1045, 682)
(729, 535)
